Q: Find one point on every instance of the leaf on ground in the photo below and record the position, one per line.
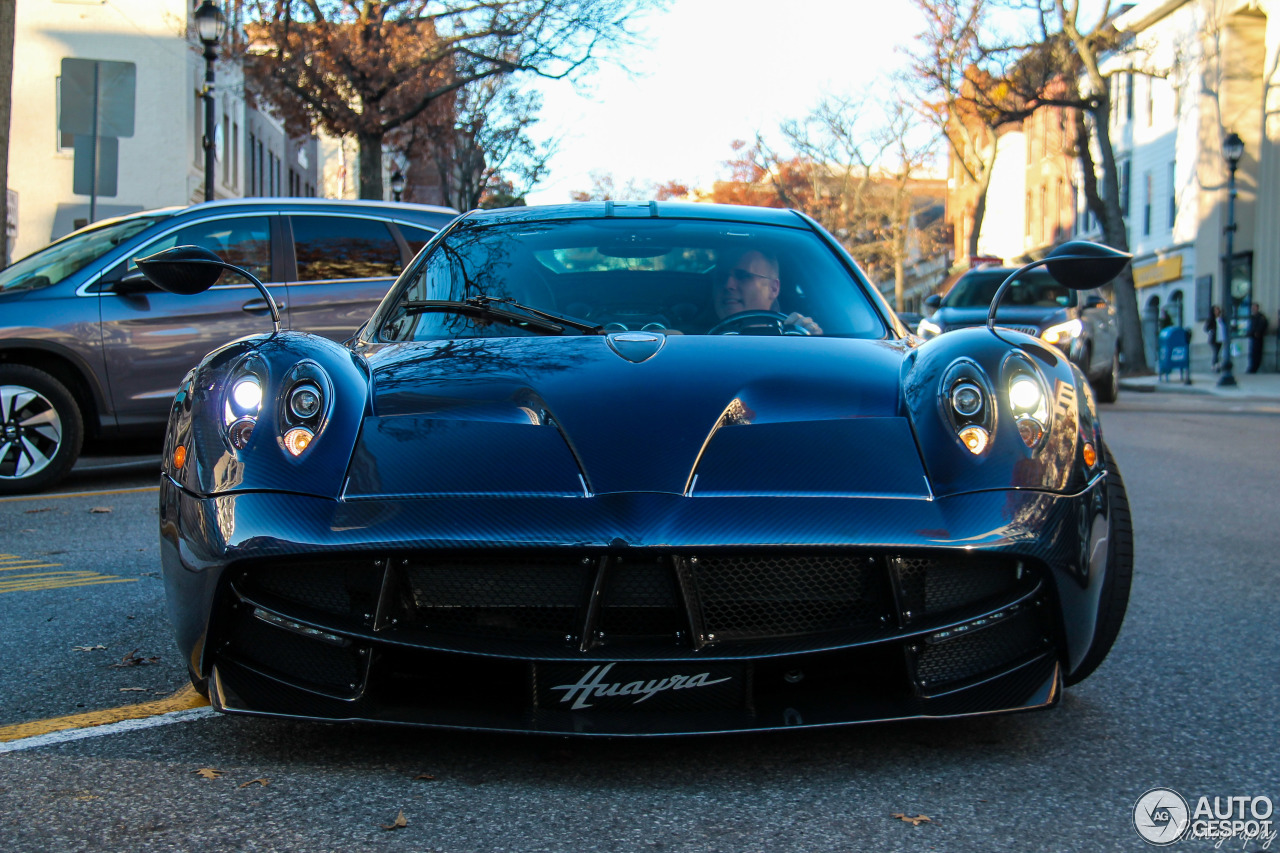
(208, 772)
(98, 647)
(398, 823)
(133, 690)
(914, 821)
(41, 509)
(426, 776)
(263, 782)
(132, 659)
(101, 509)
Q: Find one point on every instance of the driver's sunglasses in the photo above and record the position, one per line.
(744, 276)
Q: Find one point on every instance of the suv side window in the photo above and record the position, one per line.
(244, 241)
(340, 247)
(415, 237)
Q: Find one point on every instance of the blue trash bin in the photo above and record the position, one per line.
(1175, 353)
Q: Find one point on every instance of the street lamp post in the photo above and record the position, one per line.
(397, 184)
(1232, 151)
(211, 25)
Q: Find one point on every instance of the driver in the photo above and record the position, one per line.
(751, 283)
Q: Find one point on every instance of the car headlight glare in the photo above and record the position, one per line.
(1024, 394)
(1062, 332)
(928, 329)
(297, 439)
(247, 395)
(975, 438)
(966, 398)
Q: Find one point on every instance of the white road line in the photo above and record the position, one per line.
(108, 729)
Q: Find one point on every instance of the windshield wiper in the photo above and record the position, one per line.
(485, 308)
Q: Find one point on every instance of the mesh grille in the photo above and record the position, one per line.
(339, 588)
(980, 651)
(756, 596)
(520, 598)
(935, 585)
(294, 657)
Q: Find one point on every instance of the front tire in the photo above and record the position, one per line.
(1114, 600)
(41, 429)
(1108, 388)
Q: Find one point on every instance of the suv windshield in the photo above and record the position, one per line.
(674, 276)
(54, 263)
(1035, 289)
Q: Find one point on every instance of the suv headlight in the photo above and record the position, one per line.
(928, 329)
(1062, 332)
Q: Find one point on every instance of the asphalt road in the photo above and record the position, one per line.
(1188, 699)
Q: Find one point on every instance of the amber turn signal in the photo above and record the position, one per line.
(297, 439)
(975, 438)
(1090, 454)
(179, 456)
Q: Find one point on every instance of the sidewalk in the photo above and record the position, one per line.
(1255, 385)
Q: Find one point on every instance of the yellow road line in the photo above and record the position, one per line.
(138, 490)
(182, 700)
(32, 564)
(58, 580)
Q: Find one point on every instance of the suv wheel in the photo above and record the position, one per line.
(1108, 387)
(40, 429)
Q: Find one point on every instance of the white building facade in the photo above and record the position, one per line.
(161, 162)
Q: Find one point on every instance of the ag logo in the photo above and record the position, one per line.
(1160, 816)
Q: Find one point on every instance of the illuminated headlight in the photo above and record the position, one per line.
(1063, 332)
(968, 404)
(928, 329)
(1030, 406)
(1024, 394)
(247, 395)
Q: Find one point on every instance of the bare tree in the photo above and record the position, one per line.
(964, 92)
(367, 67)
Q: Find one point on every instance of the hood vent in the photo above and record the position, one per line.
(636, 347)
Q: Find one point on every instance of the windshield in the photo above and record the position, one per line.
(673, 276)
(1034, 289)
(55, 262)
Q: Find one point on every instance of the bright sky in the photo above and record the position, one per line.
(714, 71)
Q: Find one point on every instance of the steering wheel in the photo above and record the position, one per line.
(735, 323)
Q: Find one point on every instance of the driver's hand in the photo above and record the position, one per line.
(802, 322)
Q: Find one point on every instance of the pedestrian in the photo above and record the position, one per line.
(1211, 329)
(1257, 334)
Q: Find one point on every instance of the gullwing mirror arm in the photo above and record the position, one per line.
(188, 270)
(1078, 264)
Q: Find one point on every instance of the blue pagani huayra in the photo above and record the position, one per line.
(632, 469)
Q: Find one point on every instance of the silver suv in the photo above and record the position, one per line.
(89, 346)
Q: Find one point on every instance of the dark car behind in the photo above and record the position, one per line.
(1082, 324)
(88, 347)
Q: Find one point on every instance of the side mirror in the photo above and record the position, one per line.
(134, 282)
(1077, 264)
(184, 270)
(1093, 300)
(933, 301)
(188, 270)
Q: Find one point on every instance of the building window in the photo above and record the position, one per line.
(1173, 197)
(1146, 205)
(1044, 214)
(235, 154)
(1128, 95)
(1124, 188)
(1027, 216)
(1151, 100)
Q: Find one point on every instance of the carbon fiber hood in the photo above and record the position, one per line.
(585, 415)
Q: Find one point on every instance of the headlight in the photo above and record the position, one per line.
(1062, 332)
(305, 406)
(928, 329)
(243, 401)
(1028, 399)
(965, 397)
